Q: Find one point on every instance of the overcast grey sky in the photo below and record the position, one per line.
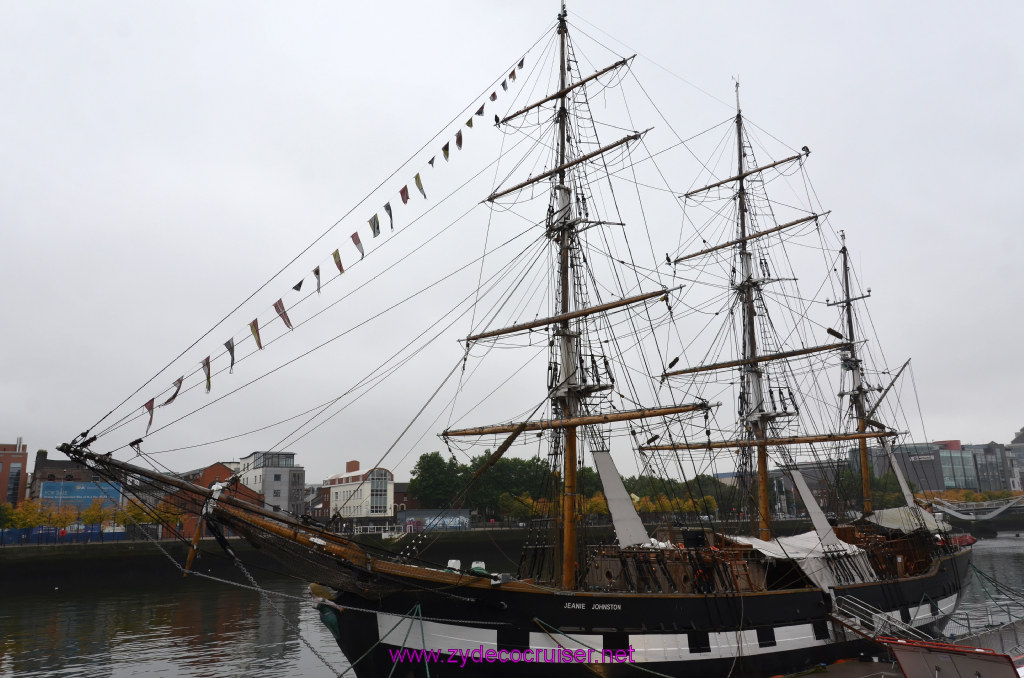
(161, 160)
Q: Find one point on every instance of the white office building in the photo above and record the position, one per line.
(276, 476)
(361, 495)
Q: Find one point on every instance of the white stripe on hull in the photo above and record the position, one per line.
(427, 635)
(412, 633)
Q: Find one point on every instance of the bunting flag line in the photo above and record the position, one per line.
(431, 161)
(391, 218)
(479, 111)
(419, 185)
(177, 388)
(469, 123)
(458, 143)
(316, 274)
(149, 408)
(374, 226)
(444, 150)
(494, 96)
(206, 371)
(358, 243)
(521, 63)
(512, 75)
(279, 307)
(404, 193)
(337, 262)
(230, 346)
(298, 286)
(255, 327)
(504, 85)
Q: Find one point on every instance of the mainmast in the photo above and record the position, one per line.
(753, 411)
(565, 399)
(852, 363)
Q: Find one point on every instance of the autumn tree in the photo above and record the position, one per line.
(97, 513)
(61, 516)
(30, 513)
(597, 505)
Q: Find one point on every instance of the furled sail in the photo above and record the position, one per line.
(628, 527)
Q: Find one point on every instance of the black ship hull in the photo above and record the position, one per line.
(491, 632)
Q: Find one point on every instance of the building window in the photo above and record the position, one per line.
(277, 493)
(277, 477)
(13, 483)
(379, 492)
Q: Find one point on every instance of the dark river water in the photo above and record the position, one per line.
(164, 626)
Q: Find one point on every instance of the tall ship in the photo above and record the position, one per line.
(708, 331)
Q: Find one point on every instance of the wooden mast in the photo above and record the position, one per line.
(858, 384)
(568, 341)
(754, 409)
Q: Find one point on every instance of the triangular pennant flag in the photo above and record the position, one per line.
(512, 75)
(504, 85)
(206, 371)
(458, 141)
(375, 226)
(494, 96)
(419, 185)
(337, 262)
(431, 161)
(521, 63)
(230, 346)
(255, 327)
(298, 286)
(316, 274)
(479, 111)
(177, 388)
(358, 243)
(149, 408)
(469, 123)
(279, 307)
(444, 150)
(404, 193)
(391, 218)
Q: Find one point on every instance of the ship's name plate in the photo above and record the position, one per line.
(594, 606)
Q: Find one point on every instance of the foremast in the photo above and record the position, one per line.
(754, 414)
(565, 399)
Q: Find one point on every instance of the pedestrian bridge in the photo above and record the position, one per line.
(979, 510)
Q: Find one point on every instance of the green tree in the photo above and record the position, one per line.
(436, 480)
(6, 516)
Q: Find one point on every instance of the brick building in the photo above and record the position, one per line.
(206, 477)
(13, 472)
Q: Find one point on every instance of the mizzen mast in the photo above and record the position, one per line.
(852, 363)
